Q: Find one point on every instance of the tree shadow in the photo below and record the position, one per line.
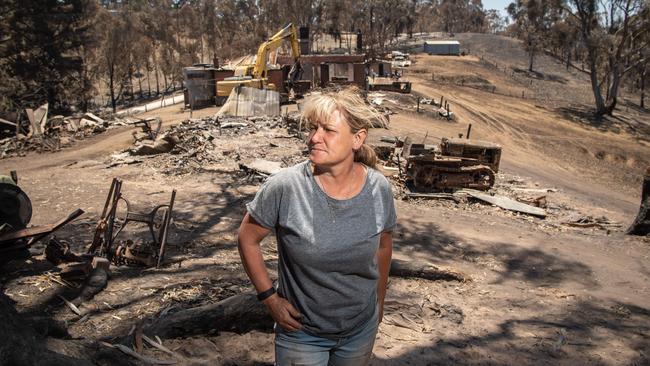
(575, 336)
(617, 123)
(540, 76)
(506, 261)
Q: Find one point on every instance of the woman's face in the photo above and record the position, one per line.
(332, 142)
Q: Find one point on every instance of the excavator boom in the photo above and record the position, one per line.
(256, 75)
(260, 70)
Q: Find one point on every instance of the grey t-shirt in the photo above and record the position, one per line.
(327, 247)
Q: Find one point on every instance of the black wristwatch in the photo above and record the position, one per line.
(265, 294)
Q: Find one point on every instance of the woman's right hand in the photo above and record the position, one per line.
(283, 313)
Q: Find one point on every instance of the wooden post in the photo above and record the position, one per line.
(469, 129)
(418, 104)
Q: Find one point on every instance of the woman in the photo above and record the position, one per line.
(333, 217)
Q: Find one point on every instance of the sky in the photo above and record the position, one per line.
(499, 5)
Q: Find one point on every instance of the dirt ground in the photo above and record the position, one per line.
(538, 291)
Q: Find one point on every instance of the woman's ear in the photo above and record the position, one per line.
(360, 138)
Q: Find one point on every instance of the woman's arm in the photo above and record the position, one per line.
(250, 235)
(384, 255)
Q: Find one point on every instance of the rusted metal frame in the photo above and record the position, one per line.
(165, 228)
(103, 232)
(101, 225)
(108, 198)
(110, 221)
(146, 218)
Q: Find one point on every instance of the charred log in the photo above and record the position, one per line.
(239, 313)
(641, 224)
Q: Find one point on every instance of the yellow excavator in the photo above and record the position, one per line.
(256, 75)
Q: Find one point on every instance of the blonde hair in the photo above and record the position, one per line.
(355, 111)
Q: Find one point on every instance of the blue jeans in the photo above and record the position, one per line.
(303, 349)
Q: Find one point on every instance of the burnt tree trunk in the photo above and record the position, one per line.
(568, 59)
(601, 109)
(111, 86)
(641, 225)
(642, 96)
(239, 313)
(157, 83)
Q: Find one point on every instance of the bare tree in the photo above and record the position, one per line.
(495, 22)
(533, 20)
(614, 43)
(118, 39)
(563, 39)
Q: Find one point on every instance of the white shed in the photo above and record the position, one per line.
(442, 47)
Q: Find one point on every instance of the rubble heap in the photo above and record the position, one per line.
(43, 134)
(211, 142)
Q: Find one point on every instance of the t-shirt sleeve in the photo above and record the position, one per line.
(265, 207)
(389, 204)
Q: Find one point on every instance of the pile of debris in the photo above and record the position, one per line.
(394, 102)
(196, 144)
(42, 133)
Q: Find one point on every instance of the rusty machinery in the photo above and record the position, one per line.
(456, 163)
(111, 224)
(15, 215)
